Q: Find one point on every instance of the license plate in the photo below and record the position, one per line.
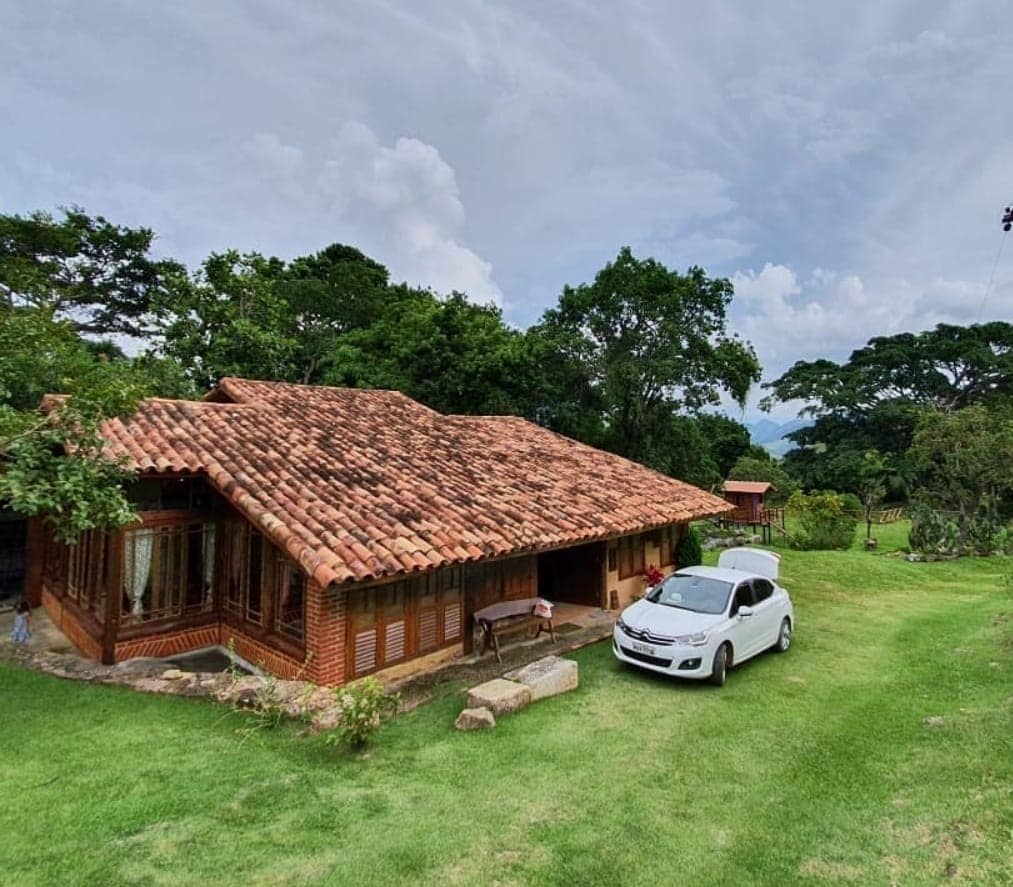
(643, 648)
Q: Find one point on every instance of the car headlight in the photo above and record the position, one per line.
(693, 640)
(622, 625)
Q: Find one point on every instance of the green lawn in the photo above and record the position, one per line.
(812, 767)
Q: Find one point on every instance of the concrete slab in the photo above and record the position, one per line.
(499, 696)
(548, 676)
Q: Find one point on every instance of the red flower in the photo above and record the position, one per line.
(652, 575)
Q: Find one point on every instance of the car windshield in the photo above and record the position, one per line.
(700, 594)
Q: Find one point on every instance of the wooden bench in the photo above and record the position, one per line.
(508, 618)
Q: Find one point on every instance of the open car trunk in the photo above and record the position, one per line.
(751, 560)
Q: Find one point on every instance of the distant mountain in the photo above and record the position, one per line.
(771, 435)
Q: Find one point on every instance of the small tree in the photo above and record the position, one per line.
(689, 551)
(761, 467)
(873, 474)
(363, 707)
(825, 521)
(54, 463)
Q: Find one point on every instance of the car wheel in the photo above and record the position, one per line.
(719, 671)
(784, 636)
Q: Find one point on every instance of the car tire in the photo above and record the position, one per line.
(719, 671)
(784, 636)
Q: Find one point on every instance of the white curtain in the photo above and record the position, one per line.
(209, 562)
(137, 567)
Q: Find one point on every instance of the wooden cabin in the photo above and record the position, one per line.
(334, 533)
(749, 499)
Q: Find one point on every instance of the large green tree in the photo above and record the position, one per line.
(962, 462)
(231, 320)
(653, 343)
(101, 276)
(873, 400)
(727, 440)
(52, 462)
(332, 292)
(448, 353)
(251, 315)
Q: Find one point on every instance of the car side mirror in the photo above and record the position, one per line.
(745, 610)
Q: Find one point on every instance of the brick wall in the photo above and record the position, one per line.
(325, 633)
(263, 656)
(325, 637)
(67, 622)
(168, 644)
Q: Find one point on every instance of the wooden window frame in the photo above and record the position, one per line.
(79, 573)
(273, 570)
(189, 529)
(666, 549)
(287, 574)
(444, 588)
(635, 564)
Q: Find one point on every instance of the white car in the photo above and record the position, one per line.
(700, 621)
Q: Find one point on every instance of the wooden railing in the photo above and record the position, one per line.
(747, 514)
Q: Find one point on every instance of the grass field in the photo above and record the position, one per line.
(813, 767)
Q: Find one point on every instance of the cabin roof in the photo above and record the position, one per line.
(747, 486)
(361, 484)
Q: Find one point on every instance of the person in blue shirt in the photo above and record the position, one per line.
(22, 630)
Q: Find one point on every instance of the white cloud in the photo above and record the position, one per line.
(829, 314)
(404, 199)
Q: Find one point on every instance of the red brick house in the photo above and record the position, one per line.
(339, 532)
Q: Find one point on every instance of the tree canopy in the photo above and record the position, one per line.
(873, 401)
(51, 462)
(100, 276)
(653, 342)
(626, 362)
(946, 368)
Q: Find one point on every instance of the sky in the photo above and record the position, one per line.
(845, 165)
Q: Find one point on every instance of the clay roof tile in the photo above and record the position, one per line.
(357, 484)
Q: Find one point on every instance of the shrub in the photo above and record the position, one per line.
(689, 552)
(940, 532)
(852, 504)
(824, 520)
(363, 706)
(932, 532)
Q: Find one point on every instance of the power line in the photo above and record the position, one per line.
(1007, 225)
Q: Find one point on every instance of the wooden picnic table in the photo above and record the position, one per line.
(507, 618)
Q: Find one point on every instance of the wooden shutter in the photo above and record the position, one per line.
(428, 630)
(394, 642)
(667, 547)
(365, 651)
(452, 621)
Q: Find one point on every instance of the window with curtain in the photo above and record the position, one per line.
(167, 571)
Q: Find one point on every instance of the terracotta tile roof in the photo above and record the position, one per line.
(746, 486)
(357, 484)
